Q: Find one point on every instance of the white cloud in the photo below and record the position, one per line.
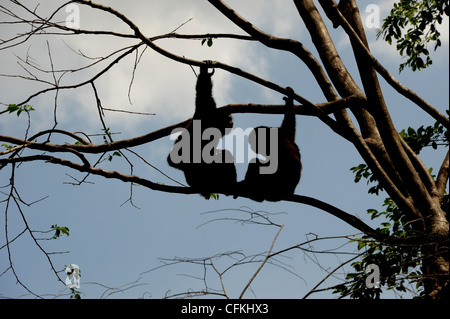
(160, 85)
(279, 18)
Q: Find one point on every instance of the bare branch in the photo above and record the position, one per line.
(99, 74)
(262, 264)
(221, 278)
(101, 172)
(204, 36)
(14, 198)
(328, 275)
(126, 111)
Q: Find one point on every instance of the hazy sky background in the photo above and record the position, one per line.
(115, 243)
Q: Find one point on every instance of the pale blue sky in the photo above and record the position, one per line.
(115, 243)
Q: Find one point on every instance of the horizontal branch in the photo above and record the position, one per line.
(94, 148)
(204, 36)
(86, 147)
(325, 108)
(344, 216)
(360, 225)
(101, 172)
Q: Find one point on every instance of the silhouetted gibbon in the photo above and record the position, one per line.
(205, 168)
(282, 182)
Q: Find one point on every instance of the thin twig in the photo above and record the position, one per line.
(262, 264)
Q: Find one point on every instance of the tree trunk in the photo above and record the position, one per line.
(399, 170)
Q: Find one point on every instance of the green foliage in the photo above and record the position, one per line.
(399, 265)
(105, 140)
(426, 136)
(75, 294)
(213, 196)
(7, 146)
(362, 170)
(59, 231)
(208, 41)
(106, 133)
(412, 24)
(20, 108)
(116, 153)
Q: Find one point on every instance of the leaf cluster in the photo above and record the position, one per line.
(363, 171)
(59, 231)
(412, 24)
(19, 109)
(209, 41)
(433, 136)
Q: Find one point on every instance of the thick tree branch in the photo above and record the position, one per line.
(442, 178)
(391, 138)
(290, 45)
(421, 169)
(370, 145)
(388, 177)
(330, 6)
(335, 67)
(360, 225)
(329, 56)
(326, 108)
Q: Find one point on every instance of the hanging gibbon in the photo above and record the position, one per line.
(276, 185)
(205, 168)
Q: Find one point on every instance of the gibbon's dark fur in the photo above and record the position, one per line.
(282, 183)
(212, 177)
